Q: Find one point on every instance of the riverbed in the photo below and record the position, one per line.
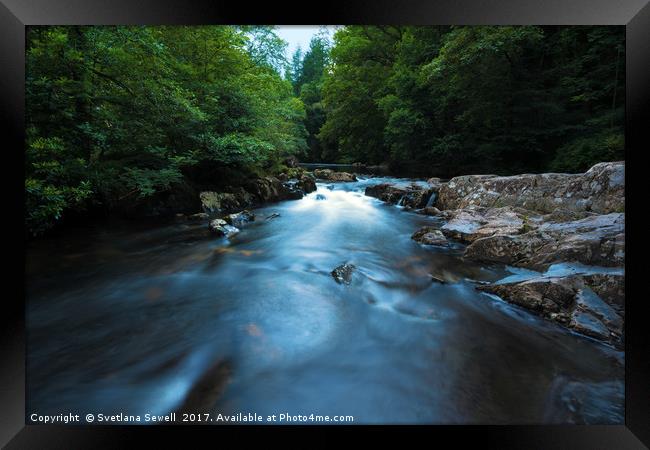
(130, 319)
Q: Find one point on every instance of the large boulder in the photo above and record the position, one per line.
(330, 175)
(474, 223)
(267, 189)
(577, 302)
(256, 192)
(306, 183)
(220, 202)
(599, 190)
(595, 240)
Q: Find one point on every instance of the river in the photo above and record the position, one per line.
(128, 319)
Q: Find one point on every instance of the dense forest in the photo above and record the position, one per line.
(119, 115)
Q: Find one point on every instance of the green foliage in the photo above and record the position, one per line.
(446, 100)
(116, 114)
(580, 154)
(306, 74)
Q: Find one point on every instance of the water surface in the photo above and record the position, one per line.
(128, 319)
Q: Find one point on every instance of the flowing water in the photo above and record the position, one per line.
(130, 319)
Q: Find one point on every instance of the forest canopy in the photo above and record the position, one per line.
(117, 115)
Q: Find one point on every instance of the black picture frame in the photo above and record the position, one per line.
(15, 15)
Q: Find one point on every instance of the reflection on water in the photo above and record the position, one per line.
(132, 319)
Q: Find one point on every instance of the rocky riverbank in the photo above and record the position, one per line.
(536, 221)
(227, 210)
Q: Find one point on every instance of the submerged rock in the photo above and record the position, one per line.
(430, 236)
(240, 218)
(272, 216)
(343, 273)
(330, 175)
(571, 301)
(220, 227)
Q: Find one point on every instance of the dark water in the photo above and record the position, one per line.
(130, 319)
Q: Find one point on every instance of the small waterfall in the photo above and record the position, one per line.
(401, 200)
(432, 200)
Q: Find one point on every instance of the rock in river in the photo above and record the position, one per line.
(413, 196)
(306, 183)
(430, 236)
(240, 218)
(220, 227)
(330, 175)
(572, 301)
(343, 273)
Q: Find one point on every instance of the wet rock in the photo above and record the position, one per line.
(430, 236)
(541, 295)
(216, 202)
(268, 189)
(386, 192)
(588, 301)
(306, 183)
(610, 288)
(343, 273)
(413, 197)
(240, 218)
(294, 193)
(320, 197)
(474, 223)
(220, 227)
(599, 190)
(585, 323)
(570, 301)
(429, 211)
(595, 240)
(330, 175)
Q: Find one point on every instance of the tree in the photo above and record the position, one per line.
(119, 115)
(452, 100)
